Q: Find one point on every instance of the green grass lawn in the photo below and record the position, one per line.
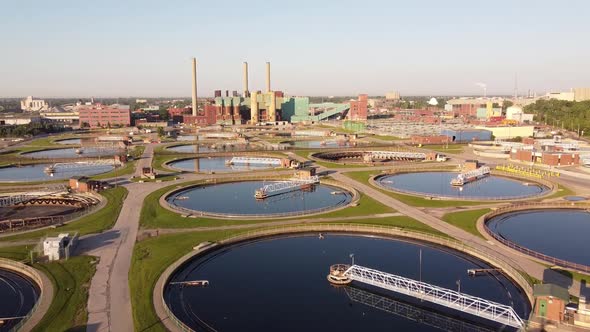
(364, 176)
(387, 138)
(45, 141)
(96, 222)
(17, 253)
(153, 215)
(71, 280)
(16, 153)
(160, 159)
(451, 148)
(303, 153)
(150, 259)
(466, 220)
(397, 221)
(562, 191)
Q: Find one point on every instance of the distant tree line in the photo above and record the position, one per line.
(570, 115)
(30, 129)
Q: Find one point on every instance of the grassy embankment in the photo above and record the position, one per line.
(443, 148)
(466, 220)
(387, 138)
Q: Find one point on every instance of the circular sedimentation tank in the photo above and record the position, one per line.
(183, 138)
(279, 284)
(214, 164)
(206, 148)
(19, 294)
(36, 172)
(562, 234)
(366, 156)
(237, 199)
(69, 141)
(76, 140)
(438, 184)
(82, 152)
(322, 144)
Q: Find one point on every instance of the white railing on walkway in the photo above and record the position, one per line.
(477, 306)
(255, 160)
(411, 312)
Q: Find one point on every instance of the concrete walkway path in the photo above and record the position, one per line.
(109, 301)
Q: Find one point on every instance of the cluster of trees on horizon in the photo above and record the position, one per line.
(571, 115)
(31, 129)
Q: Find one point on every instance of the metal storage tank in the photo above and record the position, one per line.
(467, 135)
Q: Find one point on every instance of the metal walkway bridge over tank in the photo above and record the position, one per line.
(279, 187)
(397, 155)
(412, 312)
(276, 162)
(480, 307)
(84, 164)
(463, 178)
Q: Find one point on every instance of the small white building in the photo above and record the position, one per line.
(58, 247)
(33, 105)
(516, 113)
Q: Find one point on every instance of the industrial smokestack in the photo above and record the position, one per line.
(267, 77)
(246, 92)
(195, 86)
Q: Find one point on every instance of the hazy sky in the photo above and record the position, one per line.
(143, 48)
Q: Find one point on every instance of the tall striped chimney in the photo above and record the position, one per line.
(194, 86)
(267, 77)
(245, 80)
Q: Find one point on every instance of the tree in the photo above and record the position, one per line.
(161, 132)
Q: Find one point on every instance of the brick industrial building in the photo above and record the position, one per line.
(99, 115)
(358, 109)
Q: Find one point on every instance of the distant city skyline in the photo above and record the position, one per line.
(135, 48)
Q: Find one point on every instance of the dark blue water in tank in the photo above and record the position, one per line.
(214, 164)
(238, 198)
(29, 173)
(323, 144)
(439, 183)
(18, 295)
(563, 234)
(71, 153)
(280, 284)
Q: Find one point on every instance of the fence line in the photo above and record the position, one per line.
(527, 206)
(489, 257)
(46, 221)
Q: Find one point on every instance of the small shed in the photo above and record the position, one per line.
(57, 247)
(550, 301)
(305, 173)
